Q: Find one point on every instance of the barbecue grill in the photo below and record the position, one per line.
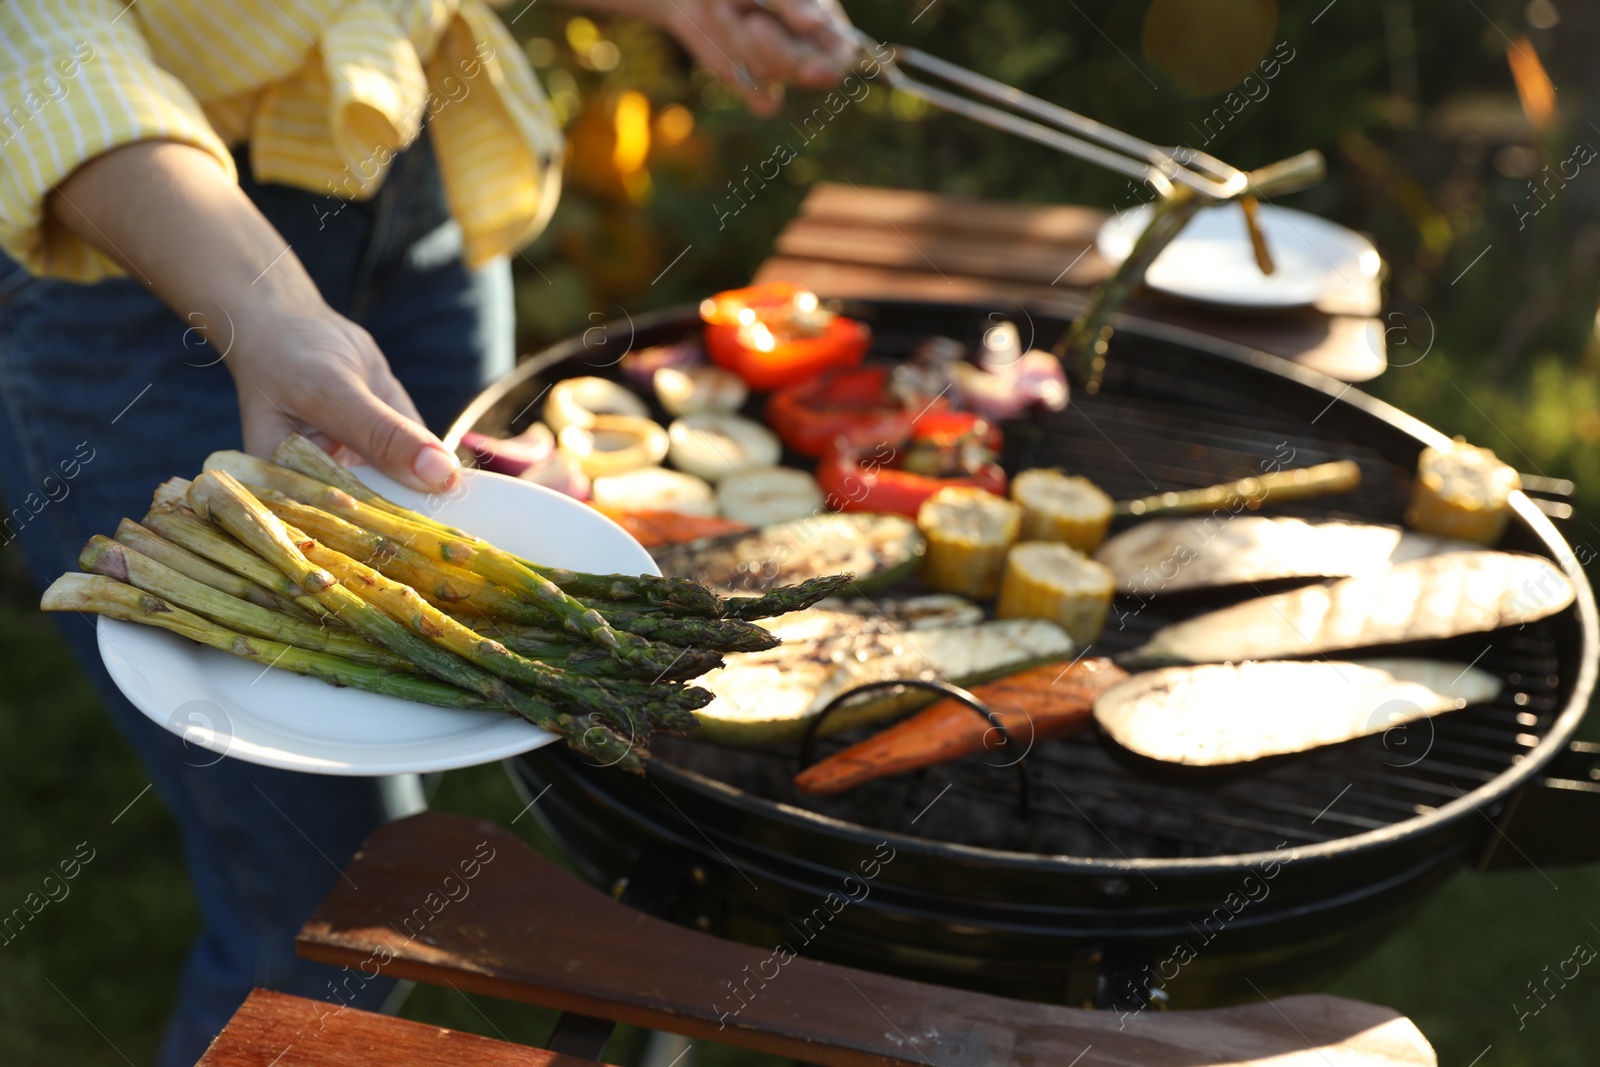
(1122, 882)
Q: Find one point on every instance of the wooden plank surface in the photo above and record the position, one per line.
(278, 1030)
(446, 899)
(1341, 346)
(852, 241)
(869, 206)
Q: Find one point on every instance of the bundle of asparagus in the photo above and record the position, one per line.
(297, 565)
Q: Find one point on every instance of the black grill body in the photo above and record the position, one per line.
(1127, 881)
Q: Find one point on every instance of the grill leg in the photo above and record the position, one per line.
(652, 886)
(580, 1036)
(668, 1050)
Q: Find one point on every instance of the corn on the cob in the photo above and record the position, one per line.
(1062, 507)
(968, 532)
(1050, 580)
(1462, 491)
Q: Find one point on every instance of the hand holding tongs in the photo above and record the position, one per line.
(1184, 179)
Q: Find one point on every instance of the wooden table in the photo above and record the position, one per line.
(859, 241)
(449, 900)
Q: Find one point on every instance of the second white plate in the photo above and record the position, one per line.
(225, 706)
(1212, 259)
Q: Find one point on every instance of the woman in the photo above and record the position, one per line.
(223, 220)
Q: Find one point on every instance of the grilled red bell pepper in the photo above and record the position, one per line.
(856, 477)
(854, 404)
(777, 334)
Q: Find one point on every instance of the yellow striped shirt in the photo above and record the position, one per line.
(325, 92)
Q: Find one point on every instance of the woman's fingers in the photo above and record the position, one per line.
(820, 23)
(757, 47)
(361, 423)
(771, 52)
(395, 443)
(388, 389)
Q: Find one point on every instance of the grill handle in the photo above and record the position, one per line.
(1554, 819)
(808, 740)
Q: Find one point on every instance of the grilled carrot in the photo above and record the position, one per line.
(654, 528)
(1054, 700)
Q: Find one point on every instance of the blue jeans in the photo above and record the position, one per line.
(104, 393)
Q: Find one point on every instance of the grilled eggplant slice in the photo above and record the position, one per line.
(1220, 714)
(1427, 599)
(878, 549)
(1172, 555)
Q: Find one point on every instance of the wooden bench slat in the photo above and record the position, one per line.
(875, 206)
(916, 249)
(279, 1030)
(523, 929)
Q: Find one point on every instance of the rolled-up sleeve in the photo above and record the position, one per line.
(77, 80)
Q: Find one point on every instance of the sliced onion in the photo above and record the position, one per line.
(576, 402)
(611, 444)
(763, 496)
(1034, 378)
(655, 489)
(712, 444)
(685, 391)
(531, 448)
(1041, 376)
(640, 367)
(561, 473)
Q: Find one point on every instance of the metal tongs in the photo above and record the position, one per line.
(1184, 179)
(1066, 131)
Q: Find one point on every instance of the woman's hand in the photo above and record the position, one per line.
(756, 46)
(171, 216)
(759, 45)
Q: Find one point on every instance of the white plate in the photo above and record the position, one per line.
(1212, 260)
(223, 705)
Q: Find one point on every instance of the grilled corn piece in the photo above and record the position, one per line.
(968, 532)
(1062, 507)
(1462, 491)
(1050, 580)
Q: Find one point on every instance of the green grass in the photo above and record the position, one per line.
(1460, 968)
(107, 955)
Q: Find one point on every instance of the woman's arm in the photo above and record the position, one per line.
(176, 221)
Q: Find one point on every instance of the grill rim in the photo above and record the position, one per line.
(1486, 800)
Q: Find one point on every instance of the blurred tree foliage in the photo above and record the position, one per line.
(1412, 102)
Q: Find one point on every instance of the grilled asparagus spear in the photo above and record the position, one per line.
(181, 526)
(463, 592)
(401, 603)
(151, 544)
(489, 562)
(217, 496)
(786, 599)
(106, 596)
(115, 560)
(307, 471)
(111, 598)
(304, 462)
